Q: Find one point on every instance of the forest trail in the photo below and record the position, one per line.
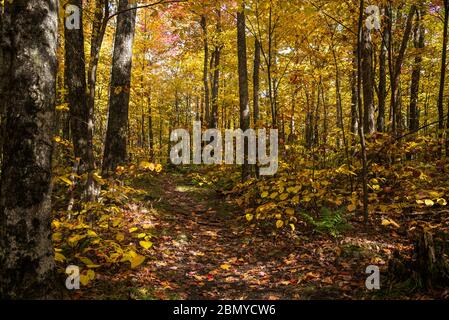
(202, 251)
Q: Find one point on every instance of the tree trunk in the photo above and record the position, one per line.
(383, 80)
(419, 34)
(115, 151)
(2, 68)
(360, 42)
(98, 30)
(368, 83)
(26, 253)
(354, 95)
(443, 76)
(256, 89)
(243, 86)
(75, 78)
(256, 81)
(213, 123)
(215, 89)
(396, 74)
(150, 128)
(205, 69)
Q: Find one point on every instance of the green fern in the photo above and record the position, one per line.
(331, 222)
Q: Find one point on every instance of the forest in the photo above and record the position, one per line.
(345, 101)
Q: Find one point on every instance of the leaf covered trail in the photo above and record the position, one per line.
(203, 251)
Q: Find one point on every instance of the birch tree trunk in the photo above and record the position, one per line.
(115, 151)
(26, 252)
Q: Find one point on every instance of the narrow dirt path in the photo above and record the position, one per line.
(202, 251)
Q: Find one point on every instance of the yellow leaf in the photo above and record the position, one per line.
(292, 226)
(146, 244)
(429, 203)
(120, 237)
(264, 194)
(74, 239)
(147, 165)
(249, 217)
(290, 211)
(86, 261)
(351, 208)
(91, 233)
(59, 257)
(141, 235)
(137, 260)
(117, 90)
(56, 224)
(91, 274)
(387, 222)
(84, 279)
(63, 107)
(133, 229)
(279, 224)
(295, 200)
(57, 236)
(283, 196)
(66, 180)
(442, 202)
(225, 266)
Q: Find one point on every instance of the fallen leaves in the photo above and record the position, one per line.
(146, 244)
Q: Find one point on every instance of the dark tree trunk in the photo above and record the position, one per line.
(360, 44)
(116, 136)
(215, 89)
(383, 79)
(75, 78)
(2, 68)
(256, 81)
(205, 69)
(245, 117)
(368, 83)
(256, 88)
(354, 101)
(150, 128)
(98, 30)
(396, 73)
(26, 253)
(443, 75)
(213, 123)
(418, 40)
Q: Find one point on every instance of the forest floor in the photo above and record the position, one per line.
(202, 250)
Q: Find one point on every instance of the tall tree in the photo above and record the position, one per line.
(396, 68)
(205, 68)
(440, 106)
(368, 83)
(418, 41)
(354, 94)
(256, 88)
(26, 252)
(2, 111)
(360, 44)
(383, 76)
(245, 116)
(115, 151)
(256, 80)
(75, 78)
(213, 123)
